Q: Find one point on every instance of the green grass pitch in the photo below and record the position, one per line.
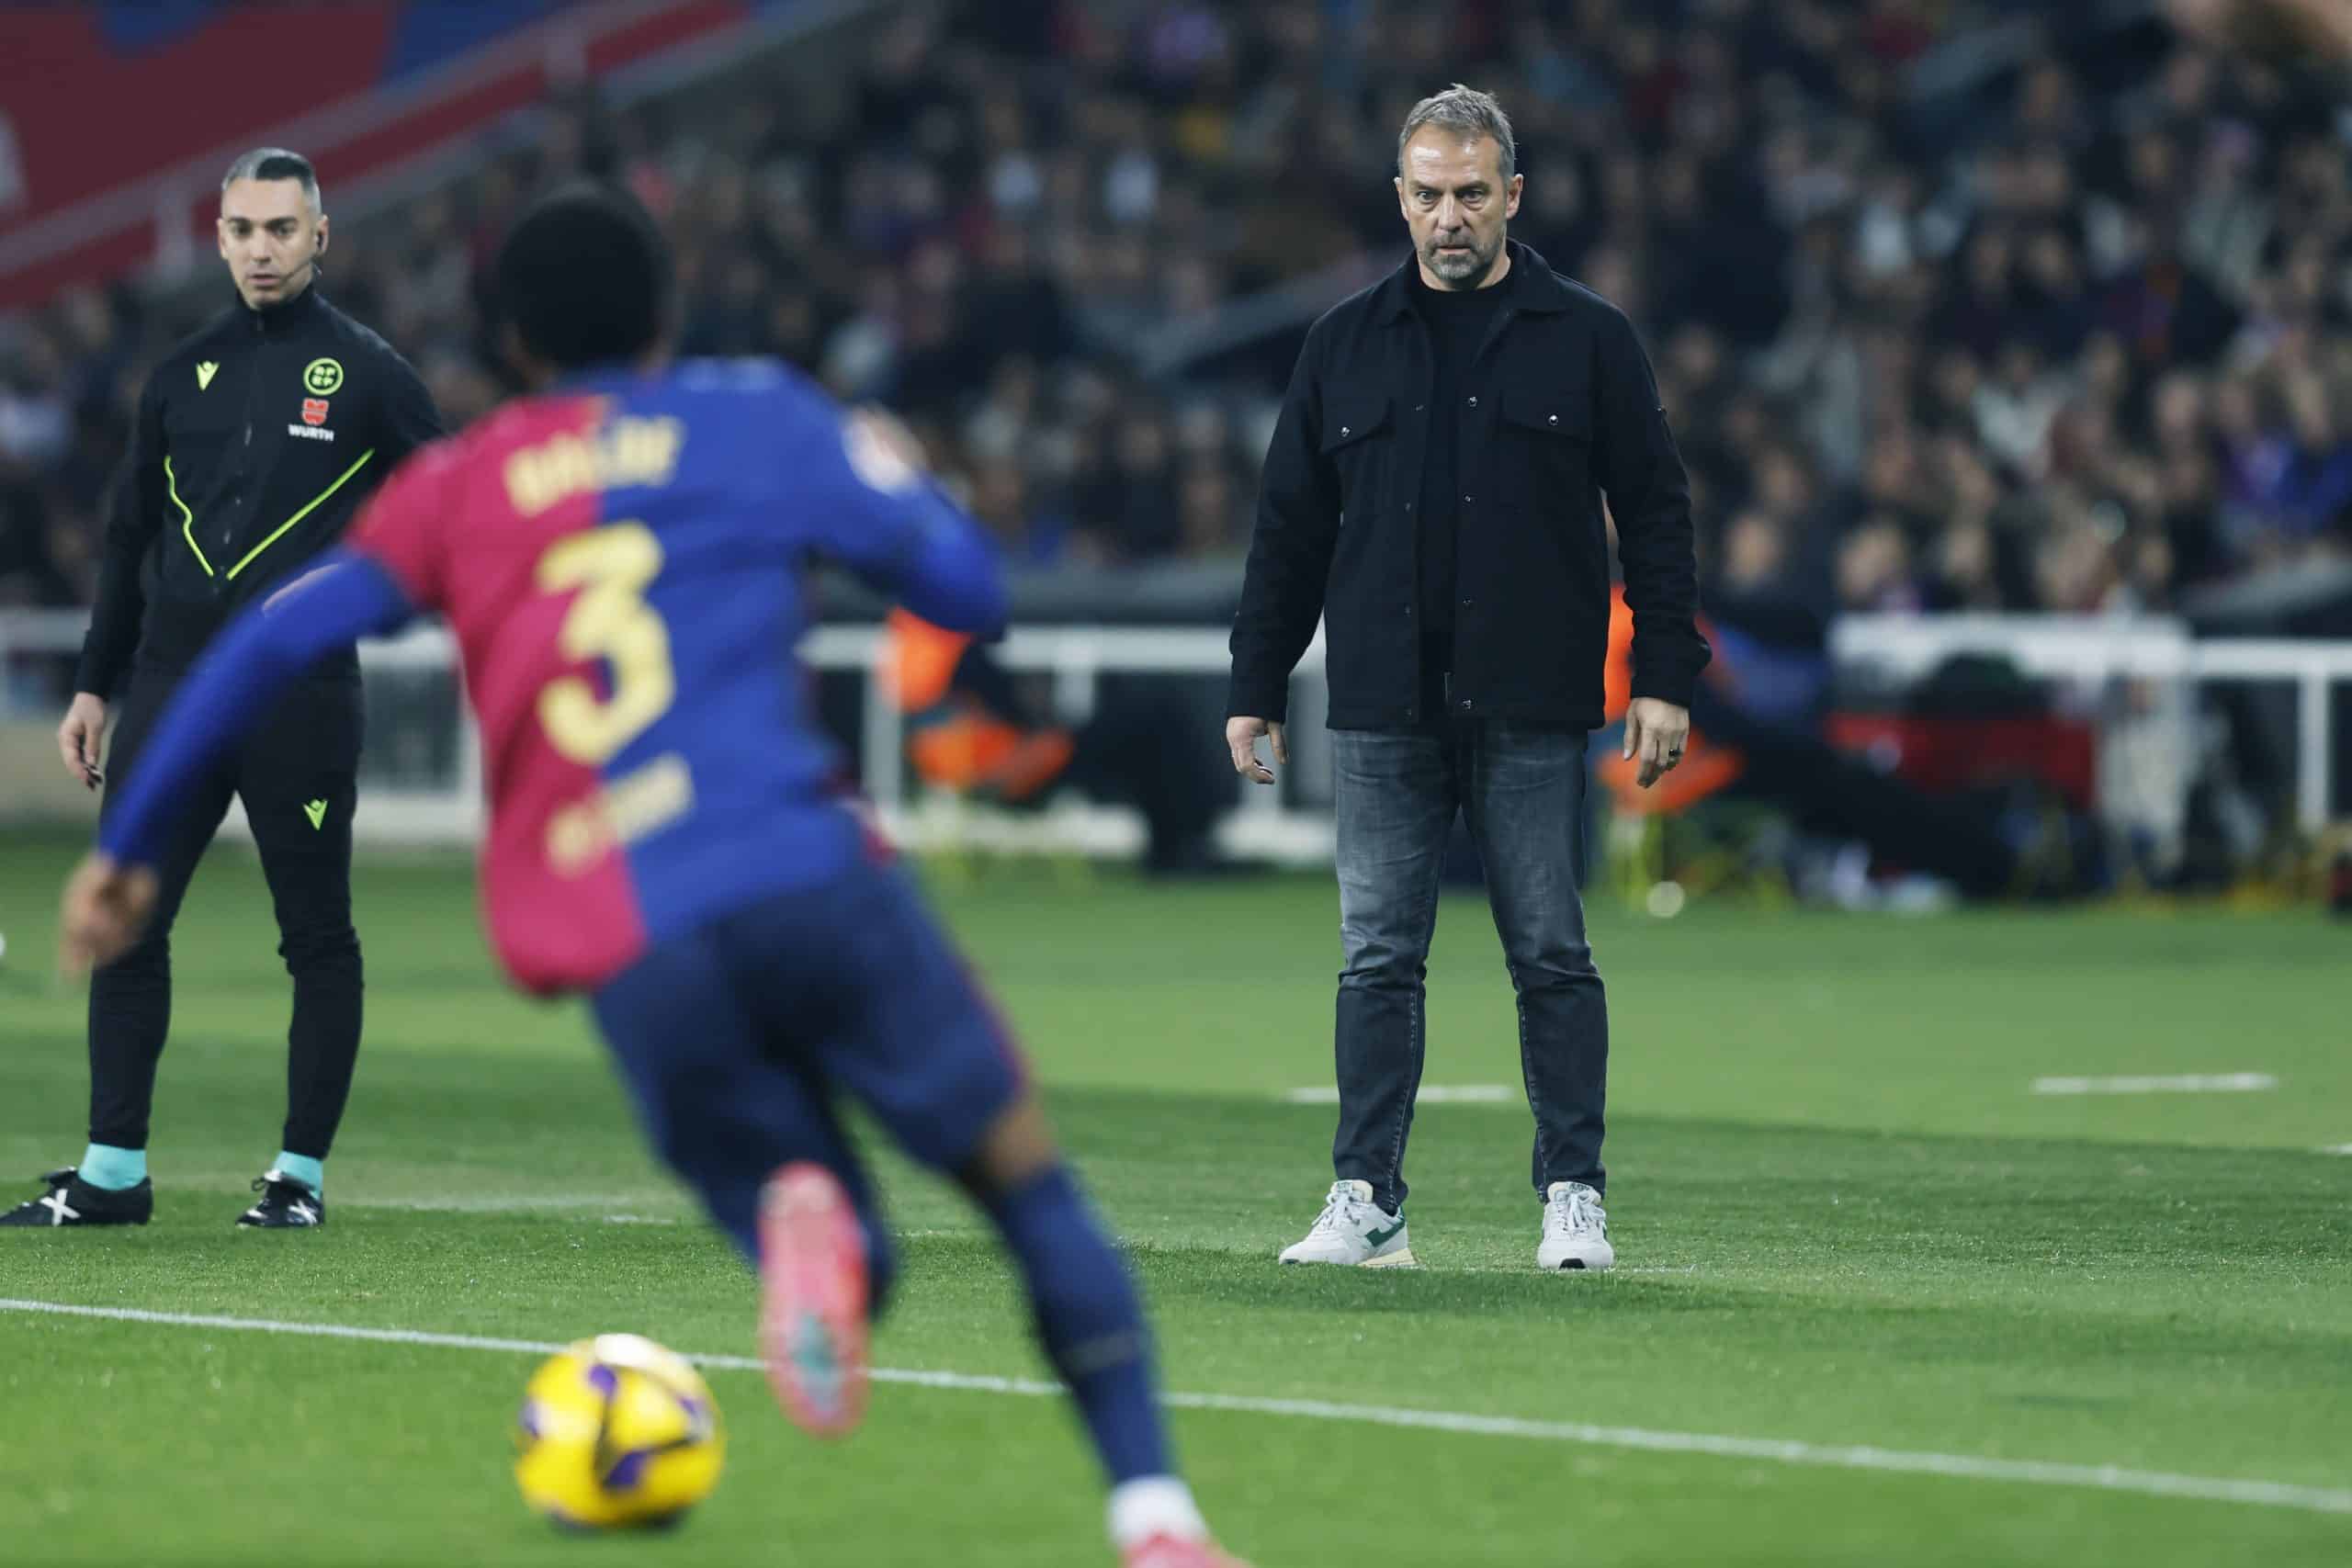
(1845, 1222)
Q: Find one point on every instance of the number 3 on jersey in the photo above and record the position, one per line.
(611, 566)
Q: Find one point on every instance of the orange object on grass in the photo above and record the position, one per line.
(956, 742)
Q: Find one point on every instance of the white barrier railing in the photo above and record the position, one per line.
(1074, 657)
(2093, 649)
(2080, 649)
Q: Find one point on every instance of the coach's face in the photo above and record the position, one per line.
(271, 236)
(1457, 204)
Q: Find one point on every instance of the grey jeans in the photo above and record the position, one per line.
(1396, 794)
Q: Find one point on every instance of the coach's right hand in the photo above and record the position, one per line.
(79, 737)
(1241, 739)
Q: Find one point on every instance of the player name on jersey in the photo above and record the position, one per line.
(625, 451)
(624, 810)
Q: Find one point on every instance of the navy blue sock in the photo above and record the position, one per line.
(1088, 1318)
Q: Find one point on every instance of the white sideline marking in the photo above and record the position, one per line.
(2181, 1083)
(1430, 1094)
(2337, 1149)
(1522, 1268)
(518, 1203)
(1967, 1467)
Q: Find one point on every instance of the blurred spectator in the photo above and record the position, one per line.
(35, 417)
(2067, 333)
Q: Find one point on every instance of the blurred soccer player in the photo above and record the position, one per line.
(619, 557)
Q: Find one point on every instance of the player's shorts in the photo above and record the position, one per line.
(739, 1039)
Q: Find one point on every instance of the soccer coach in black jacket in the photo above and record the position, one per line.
(1434, 492)
(257, 439)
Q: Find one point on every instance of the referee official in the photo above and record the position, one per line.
(257, 440)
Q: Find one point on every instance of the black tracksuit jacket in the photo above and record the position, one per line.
(257, 440)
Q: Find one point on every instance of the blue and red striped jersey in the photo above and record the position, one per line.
(621, 562)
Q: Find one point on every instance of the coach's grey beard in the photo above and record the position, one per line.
(1468, 268)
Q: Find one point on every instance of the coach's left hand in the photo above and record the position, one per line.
(1655, 731)
(107, 908)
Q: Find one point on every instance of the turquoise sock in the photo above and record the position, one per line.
(310, 1173)
(112, 1169)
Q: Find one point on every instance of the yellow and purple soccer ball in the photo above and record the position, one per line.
(617, 1432)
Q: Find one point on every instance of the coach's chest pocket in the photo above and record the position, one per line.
(1359, 440)
(1543, 448)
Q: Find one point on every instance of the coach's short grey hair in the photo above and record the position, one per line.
(1468, 110)
(277, 163)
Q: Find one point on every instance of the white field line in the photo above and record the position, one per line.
(528, 1203)
(647, 1201)
(2337, 1149)
(1430, 1094)
(1965, 1467)
(2178, 1083)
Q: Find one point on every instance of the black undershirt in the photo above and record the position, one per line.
(1458, 322)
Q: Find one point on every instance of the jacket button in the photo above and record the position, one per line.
(1468, 498)
(1551, 419)
(1465, 704)
(1418, 407)
(1473, 402)
(1343, 430)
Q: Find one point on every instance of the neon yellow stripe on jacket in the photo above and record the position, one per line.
(188, 518)
(312, 507)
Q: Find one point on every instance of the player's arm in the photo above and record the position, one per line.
(881, 515)
(347, 597)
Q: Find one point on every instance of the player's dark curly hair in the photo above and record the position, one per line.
(584, 278)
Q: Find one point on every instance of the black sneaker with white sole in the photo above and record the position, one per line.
(67, 1200)
(286, 1204)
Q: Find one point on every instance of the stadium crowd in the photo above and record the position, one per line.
(2072, 339)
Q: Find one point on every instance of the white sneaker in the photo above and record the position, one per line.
(1576, 1229)
(1352, 1230)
